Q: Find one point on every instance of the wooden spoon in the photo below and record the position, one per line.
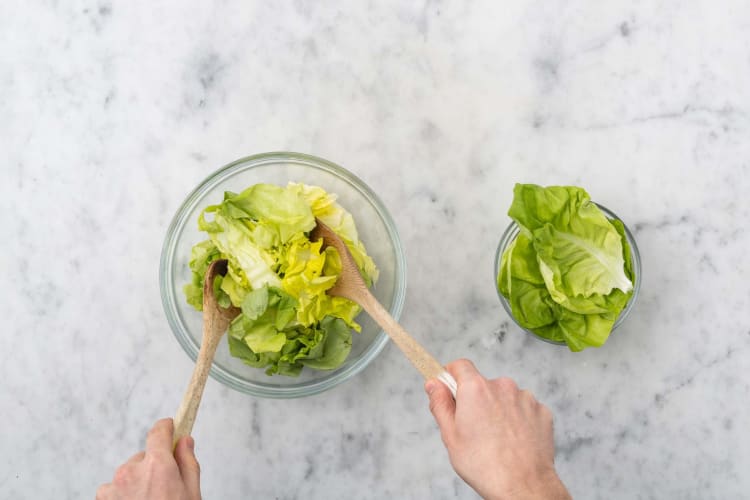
(215, 322)
(350, 285)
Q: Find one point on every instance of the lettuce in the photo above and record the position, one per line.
(568, 274)
(325, 208)
(279, 278)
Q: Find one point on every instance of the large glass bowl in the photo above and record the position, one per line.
(376, 230)
(510, 234)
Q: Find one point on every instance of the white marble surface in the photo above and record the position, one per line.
(112, 112)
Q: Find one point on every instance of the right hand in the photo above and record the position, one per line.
(499, 438)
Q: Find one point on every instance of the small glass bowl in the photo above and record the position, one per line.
(510, 234)
(376, 229)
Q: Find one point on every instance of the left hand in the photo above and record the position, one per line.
(156, 473)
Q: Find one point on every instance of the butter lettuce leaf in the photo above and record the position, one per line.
(278, 209)
(568, 274)
(325, 208)
(201, 255)
(578, 331)
(279, 278)
(579, 250)
(251, 264)
(267, 335)
(627, 256)
(337, 343)
(521, 282)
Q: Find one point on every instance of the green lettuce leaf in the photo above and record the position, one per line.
(521, 282)
(578, 331)
(230, 285)
(564, 274)
(325, 208)
(324, 347)
(201, 255)
(337, 343)
(278, 208)
(626, 253)
(579, 251)
(279, 278)
(534, 309)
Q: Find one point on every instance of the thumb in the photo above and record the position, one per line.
(442, 405)
(189, 468)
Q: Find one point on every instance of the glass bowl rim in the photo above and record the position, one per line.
(510, 234)
(178, 223)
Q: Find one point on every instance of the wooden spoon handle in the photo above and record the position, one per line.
(185, 417)
(422, 360)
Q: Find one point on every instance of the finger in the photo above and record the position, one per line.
(508, 387)
(546, 414)
(442, 406)
(125, 476)
(136, 458)
(190, 470)
(527, 402)
(105, 492)
(462, 370)
(525, 393)
(160, 436)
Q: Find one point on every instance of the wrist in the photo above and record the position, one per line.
(545, 486)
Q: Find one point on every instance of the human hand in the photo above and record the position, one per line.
(157, 474)
(499, 438)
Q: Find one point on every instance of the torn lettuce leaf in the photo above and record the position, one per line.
(279, 278)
